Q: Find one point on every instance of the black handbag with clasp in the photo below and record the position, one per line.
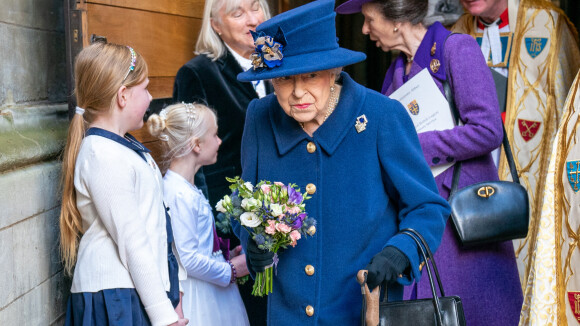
(490, 211)
(439, 310)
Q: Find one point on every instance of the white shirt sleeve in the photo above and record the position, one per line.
(192, 230)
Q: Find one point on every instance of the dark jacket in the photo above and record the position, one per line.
(214, 83)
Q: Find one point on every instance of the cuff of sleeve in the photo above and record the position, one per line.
(162, 314)
(408, 247)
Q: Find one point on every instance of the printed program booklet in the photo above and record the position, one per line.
(427, 107)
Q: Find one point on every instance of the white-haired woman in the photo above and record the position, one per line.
(223, 50)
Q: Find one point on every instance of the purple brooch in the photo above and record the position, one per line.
(268, 50)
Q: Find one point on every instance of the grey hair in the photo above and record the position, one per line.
(413, 11)
(208, 41)
(178, 126)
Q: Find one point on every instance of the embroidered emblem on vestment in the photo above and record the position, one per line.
(528, 128)
(574, 298)
(573, 171)
(535, 45)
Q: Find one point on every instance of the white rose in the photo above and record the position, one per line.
(250, 219)
(220, 206)
(250, 204)
(249, 186)
(276, 209)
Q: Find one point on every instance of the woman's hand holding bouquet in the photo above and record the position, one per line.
(274, 215)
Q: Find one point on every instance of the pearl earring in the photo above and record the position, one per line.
(396, 29)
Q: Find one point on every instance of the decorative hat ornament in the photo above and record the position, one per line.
(298, 41)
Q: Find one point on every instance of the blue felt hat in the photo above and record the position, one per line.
(298, 41)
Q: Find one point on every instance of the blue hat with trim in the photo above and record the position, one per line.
(298, 41)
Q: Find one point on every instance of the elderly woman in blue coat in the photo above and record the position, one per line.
(357, 155)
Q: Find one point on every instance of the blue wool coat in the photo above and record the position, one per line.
(369, 185)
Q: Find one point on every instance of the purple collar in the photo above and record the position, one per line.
(436, 34)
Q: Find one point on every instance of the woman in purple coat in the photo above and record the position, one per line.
(485, 277)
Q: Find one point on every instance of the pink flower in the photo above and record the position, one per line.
(283, 227)
(278, 183)
(271, 228)
(294, 236)
(265, 188)
(293, 210)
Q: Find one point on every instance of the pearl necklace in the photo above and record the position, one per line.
(332, 103)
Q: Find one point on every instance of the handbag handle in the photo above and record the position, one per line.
(427, 255)
(421, 243)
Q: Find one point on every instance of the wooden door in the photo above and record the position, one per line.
(164, 32)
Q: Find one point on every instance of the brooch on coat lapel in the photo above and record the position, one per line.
(361, 123)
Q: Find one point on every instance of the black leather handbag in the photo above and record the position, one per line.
(490, 211)
(439, 310)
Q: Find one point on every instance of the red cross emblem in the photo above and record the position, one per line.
(528, 128)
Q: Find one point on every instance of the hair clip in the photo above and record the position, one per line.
(133, 62)
(163, 114)
(191, 114)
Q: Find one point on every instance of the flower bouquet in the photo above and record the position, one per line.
(272, 213)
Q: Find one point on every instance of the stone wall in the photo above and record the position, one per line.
(33, 122)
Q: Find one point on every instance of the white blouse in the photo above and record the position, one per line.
(192, 222)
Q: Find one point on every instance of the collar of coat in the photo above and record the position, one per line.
(434, 38)
(329, 135)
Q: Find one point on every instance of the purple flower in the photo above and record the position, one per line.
(294, 197)
(297, 222)
(260, 239)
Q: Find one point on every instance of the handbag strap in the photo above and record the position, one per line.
(427, 255)
(421, 243)
(456, 118)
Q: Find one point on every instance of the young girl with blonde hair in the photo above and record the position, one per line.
(113, 221)
(189, 135)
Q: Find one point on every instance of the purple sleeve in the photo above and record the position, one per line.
(476, 101)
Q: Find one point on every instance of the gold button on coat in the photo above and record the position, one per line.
(310, 188)
(309, 310)
(309, 269)
(311, 147)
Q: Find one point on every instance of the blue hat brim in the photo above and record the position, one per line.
(305, 63)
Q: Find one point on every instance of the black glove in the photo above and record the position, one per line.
(258, 259)
(387, 265)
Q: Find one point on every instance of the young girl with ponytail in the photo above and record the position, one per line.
(115, 235)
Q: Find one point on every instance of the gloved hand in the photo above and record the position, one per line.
(257, 257)
(387, 265)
